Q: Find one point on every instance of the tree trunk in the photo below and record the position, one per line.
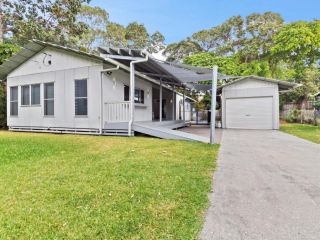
(1, 23)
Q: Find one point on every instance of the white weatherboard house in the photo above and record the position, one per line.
(57, 89)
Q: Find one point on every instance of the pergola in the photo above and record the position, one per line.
(172, 74)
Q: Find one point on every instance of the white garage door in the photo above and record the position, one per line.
(249, 113)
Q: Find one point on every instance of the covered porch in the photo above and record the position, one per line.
(167, 80)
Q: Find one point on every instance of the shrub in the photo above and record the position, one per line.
(317, 105)
(3, 106)
(293, 116)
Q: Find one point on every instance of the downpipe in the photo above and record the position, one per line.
(132, 88)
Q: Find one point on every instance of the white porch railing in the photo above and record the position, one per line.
(117, 111)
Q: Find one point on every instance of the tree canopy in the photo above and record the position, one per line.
(260, 44)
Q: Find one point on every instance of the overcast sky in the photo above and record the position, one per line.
(178, 19)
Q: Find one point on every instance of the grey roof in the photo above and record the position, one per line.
(32, 48)
(154, 69)
(169, 72)
(283, 85)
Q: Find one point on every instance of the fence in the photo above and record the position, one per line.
(301, 113)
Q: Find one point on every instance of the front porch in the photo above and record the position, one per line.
(162, 80)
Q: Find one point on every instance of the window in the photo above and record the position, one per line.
(13, 101)
(138, 95)
(81, 97)
(48, 99)
(35, 94)
(25, 95)
(126, 93)
(30, 94)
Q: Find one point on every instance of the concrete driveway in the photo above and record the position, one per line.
(266, 186)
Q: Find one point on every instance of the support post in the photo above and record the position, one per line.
(213, 103)
(160, 101)
(173, 103)
(132, 87)
(184, 105)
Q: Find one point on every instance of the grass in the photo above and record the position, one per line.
(85, 187)
(308, 132)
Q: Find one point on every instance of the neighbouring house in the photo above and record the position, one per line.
(252, 102)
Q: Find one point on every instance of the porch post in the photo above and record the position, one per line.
(160, 101)
(173, 104)
(132, 87)
(213, 103)
(184, 105)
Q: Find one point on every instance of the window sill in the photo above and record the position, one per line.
(49, 116)
(140, 105)
(81, 116)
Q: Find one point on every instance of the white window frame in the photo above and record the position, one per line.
(30, 95)
(37, 104)
(22, 104)
(138, 102)
(14, 101)
(48, 99)
(75, 98)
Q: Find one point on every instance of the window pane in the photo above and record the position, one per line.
(14, 94)
(35, 94)
(25, 98)
(49, 107)
(81, 88)
(48, 90)
(81, 106)
(126, 93)
(137, 96)
(142, 96)
(14, 108)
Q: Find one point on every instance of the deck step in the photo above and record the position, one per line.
(166, 133)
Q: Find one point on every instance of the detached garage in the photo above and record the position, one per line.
(252, 103)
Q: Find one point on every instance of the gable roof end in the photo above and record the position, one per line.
(31, 49)
(283, 85)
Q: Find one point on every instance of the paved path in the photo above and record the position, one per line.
(266, 186)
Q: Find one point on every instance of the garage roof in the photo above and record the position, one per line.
(283, 85)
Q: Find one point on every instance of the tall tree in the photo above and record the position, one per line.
(176, 52)
(50, 20)
(1, 21)
(260, 29)
(137, 35)
(115, 35)
(298, 43)
(156, 43)
(223, 38)
(96, 19)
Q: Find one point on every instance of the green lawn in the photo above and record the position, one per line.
(309, 132)
(88, 187)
